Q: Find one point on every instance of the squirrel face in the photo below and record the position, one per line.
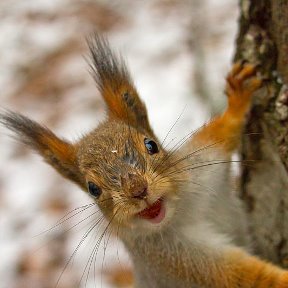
(122, 166)
(120, 163)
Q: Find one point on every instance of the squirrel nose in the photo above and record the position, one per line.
(140, 194)
(135, 185)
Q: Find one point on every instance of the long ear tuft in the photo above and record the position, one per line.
(115, 84)
(60, 154)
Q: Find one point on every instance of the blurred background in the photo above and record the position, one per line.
(178, 53)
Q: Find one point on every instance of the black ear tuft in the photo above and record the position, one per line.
(116, 86)
(107, 68)
(29, 132)
(59, 153)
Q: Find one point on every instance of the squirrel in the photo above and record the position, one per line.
(175, 211)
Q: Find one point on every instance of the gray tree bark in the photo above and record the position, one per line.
(263, 39)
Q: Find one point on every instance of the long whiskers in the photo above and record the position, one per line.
(65, 218)
(185, 181)
(96, 248)
(205, 164)
(189, 155)
(168, 133)
(91, 228)
(196, 152)
(175, 148)
(77, 248)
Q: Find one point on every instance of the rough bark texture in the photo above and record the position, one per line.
(263, 39)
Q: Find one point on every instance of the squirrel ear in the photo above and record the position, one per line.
(115, 84)
(60, 154)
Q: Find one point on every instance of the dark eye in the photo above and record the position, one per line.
(151, 146)
(94, 190)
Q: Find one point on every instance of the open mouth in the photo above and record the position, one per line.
(154, 213)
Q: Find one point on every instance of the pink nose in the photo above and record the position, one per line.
(135, 185)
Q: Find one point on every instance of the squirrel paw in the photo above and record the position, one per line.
(241, 83)
(225, 130)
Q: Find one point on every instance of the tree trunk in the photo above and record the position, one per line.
(263, 39)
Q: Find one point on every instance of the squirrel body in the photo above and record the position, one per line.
(175, 210)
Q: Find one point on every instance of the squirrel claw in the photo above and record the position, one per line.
(242, 80)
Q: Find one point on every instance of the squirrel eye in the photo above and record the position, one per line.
(94, 190)
(151, 146)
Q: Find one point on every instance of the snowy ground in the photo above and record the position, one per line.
(178, 53)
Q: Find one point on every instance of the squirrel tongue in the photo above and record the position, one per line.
(152, 211)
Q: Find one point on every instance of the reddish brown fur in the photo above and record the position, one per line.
(226, 129)
(116, 86)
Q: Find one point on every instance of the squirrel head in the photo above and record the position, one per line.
(120, 163)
